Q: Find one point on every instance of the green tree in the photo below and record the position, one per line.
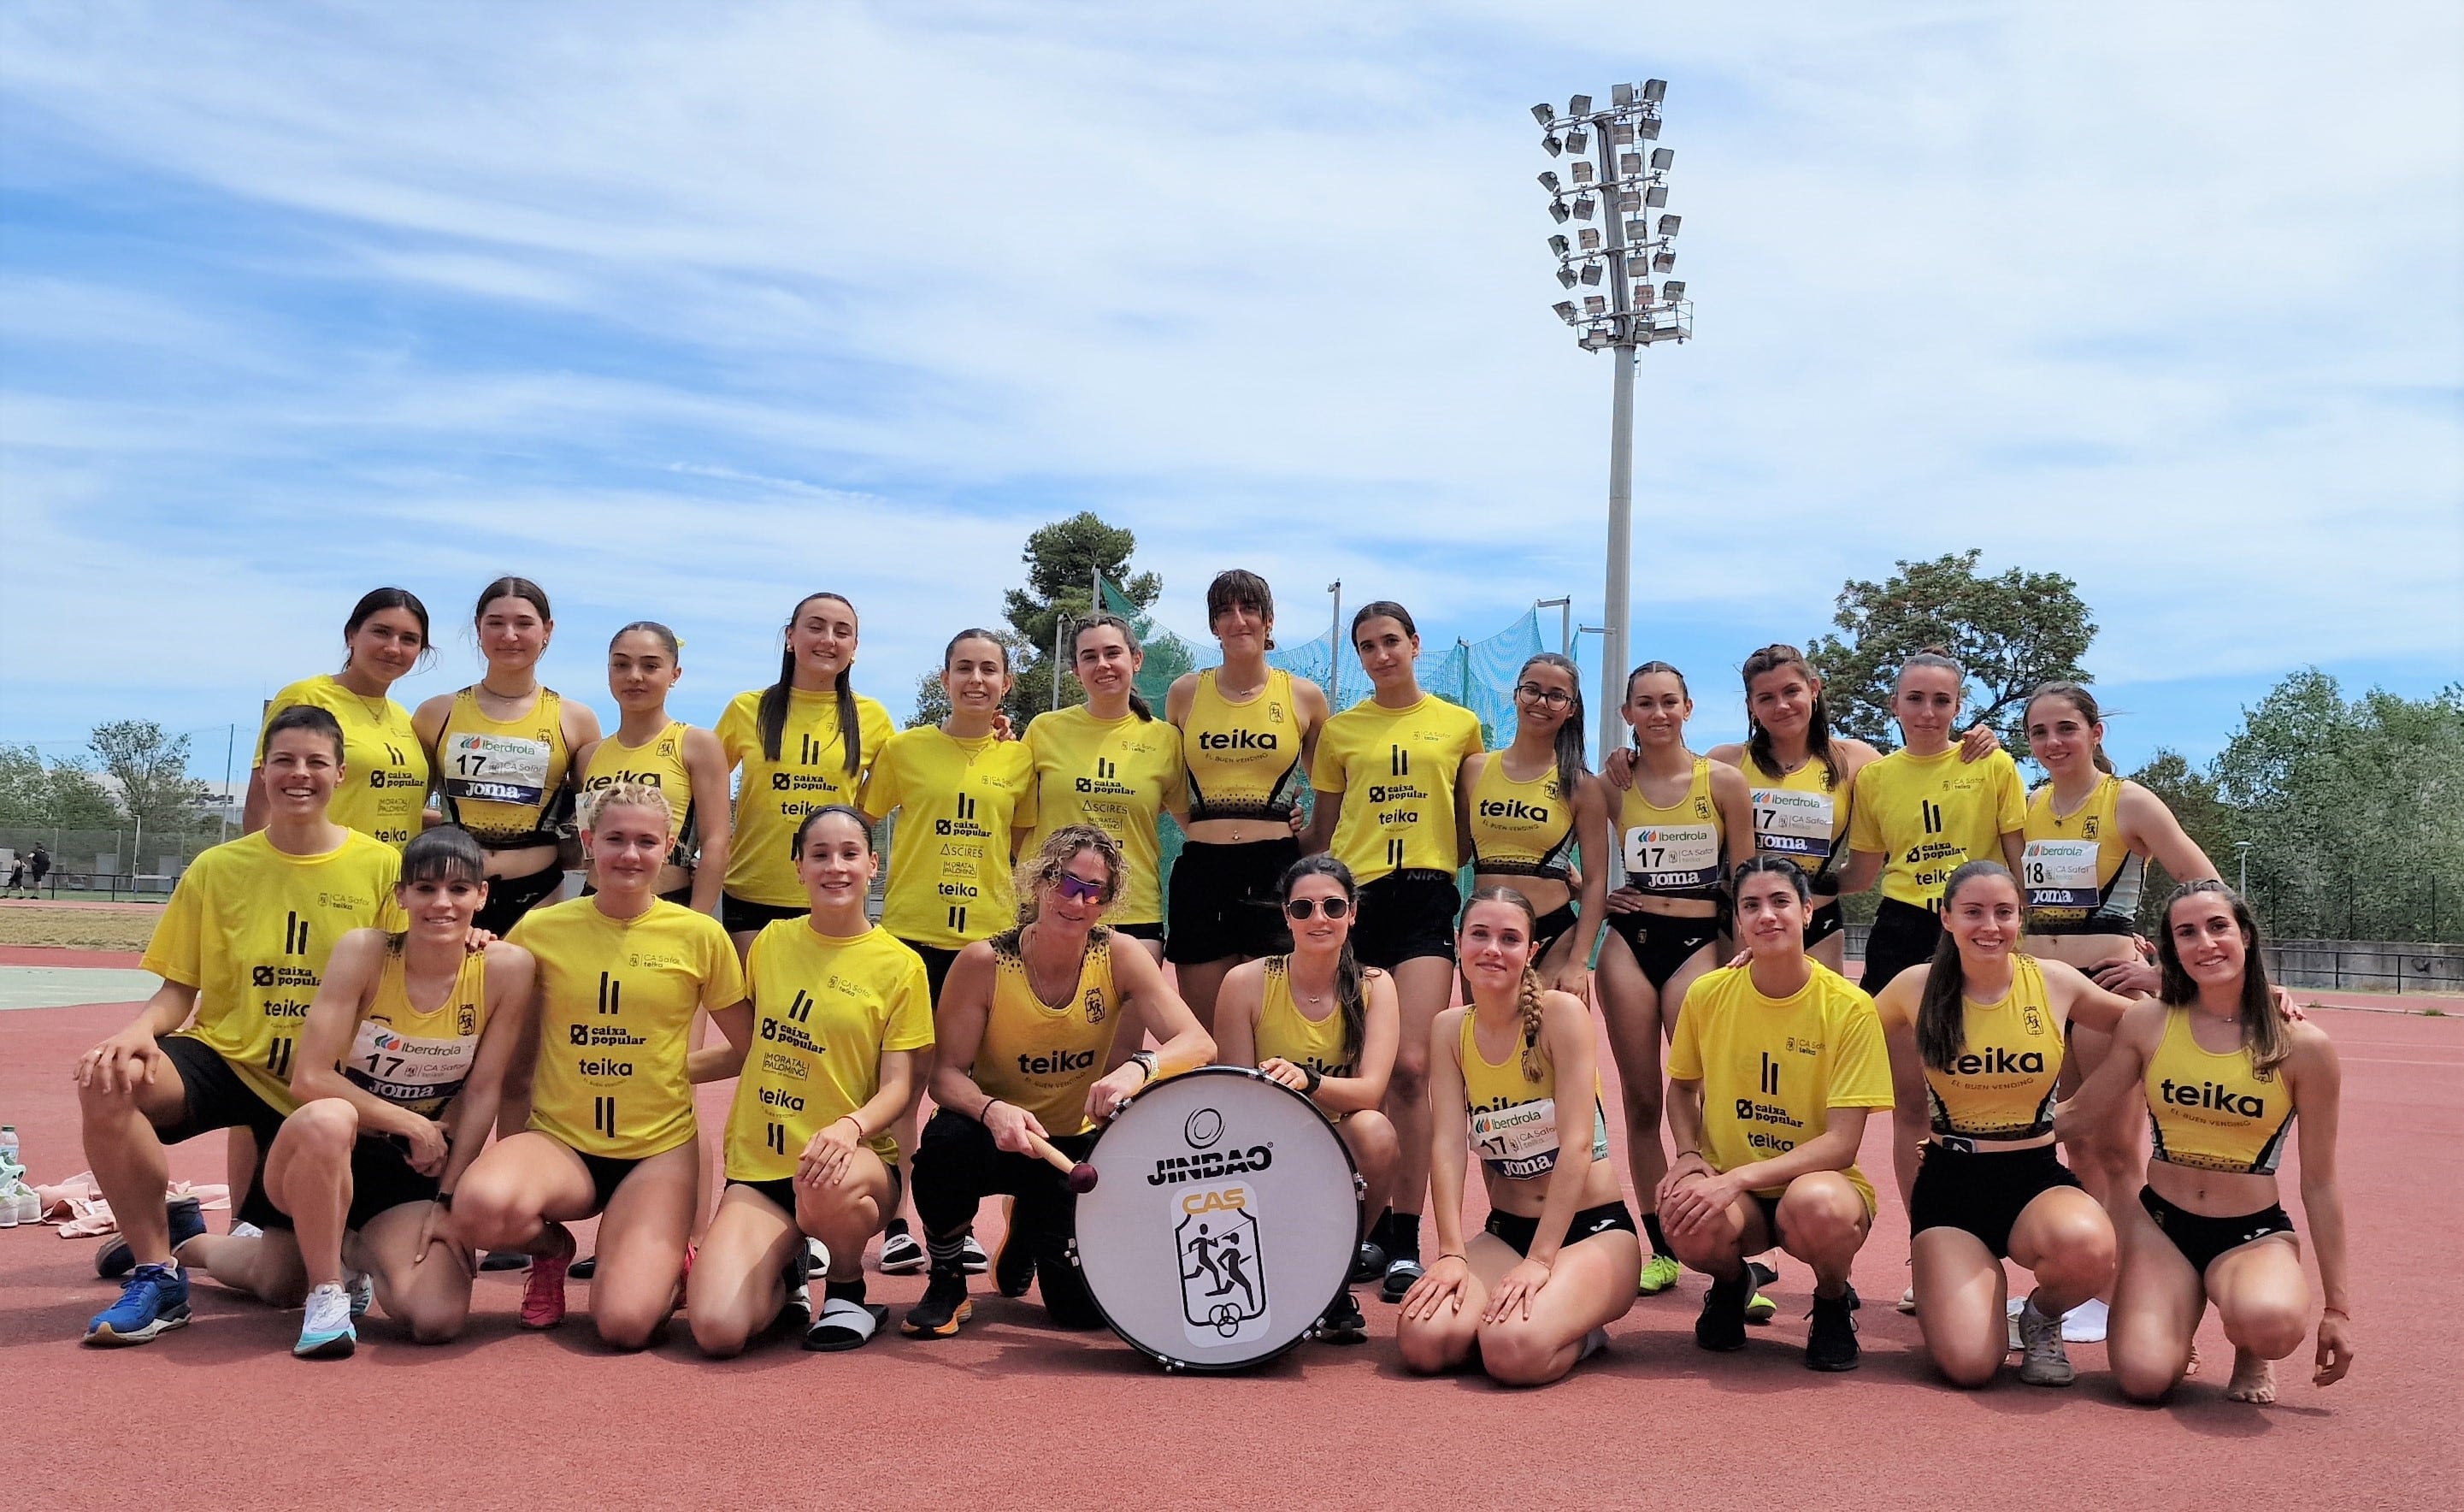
(2353, 810)
(2210, 823)
(1062, 560)
(152, 770)
(60, 794)
(2010, 632)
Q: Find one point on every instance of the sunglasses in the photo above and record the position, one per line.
(1072, 885)
(1302, 908)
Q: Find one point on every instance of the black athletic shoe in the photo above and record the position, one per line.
(512, 1260)
(1370, 1263)
(1722, 1325)
(1831, 1342)
(1343, 1322)
(1014, 1262)
(944, 1307)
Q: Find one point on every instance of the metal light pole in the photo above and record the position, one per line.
(1565, 607)
(2241, 849)
(1629, 180)
(1335, 648)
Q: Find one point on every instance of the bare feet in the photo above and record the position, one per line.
(2253, 1379)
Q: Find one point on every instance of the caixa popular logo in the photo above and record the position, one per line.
(1223, 1270)
(1210, 1158)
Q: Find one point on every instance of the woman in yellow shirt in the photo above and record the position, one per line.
(1515, 1081)
(965, 800)
(800, 743)
(1978, 1038)
(1319, 1022)
(503, 751)
(1111, 764)
(611, 1125)
(385, 639)
(843, 1021)
(2224, 1074)
(1386, 773)
(680, 759)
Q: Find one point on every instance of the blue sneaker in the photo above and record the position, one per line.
(325, 1331)
(152, 1301)
(186, 1217)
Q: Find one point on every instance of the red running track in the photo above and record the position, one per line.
(220, 1415)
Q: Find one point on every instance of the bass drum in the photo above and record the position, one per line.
(1223, 1222)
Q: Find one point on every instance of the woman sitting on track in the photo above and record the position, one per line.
(503, 749)
(240, 949)
(1976, 1040)
(1247, 733)
(1037, 1031)
(827, 1047)
(1318, 1022)
(611, 1127)
(1386, 773)
(2223, 1072)
(685, 762)
(1920, 814)
(1536, 1289)
(1110, 762)
(397, 1098)
(1776, 1065)
(1679, 827)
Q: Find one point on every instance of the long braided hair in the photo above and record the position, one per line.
(1535, 1054)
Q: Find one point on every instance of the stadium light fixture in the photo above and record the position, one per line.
(1622, 253)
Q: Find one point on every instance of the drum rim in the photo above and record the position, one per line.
(1175, 1362)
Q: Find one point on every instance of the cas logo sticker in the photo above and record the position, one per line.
(1222, 1269)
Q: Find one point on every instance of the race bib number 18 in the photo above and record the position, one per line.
(2060, 873)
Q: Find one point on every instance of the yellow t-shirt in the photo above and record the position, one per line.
(956, 803)
(772, 797)
(616, 997)
(1398, 767)
(660, 764)
(824, 1010)
(1120, 777)
(385, 768)
(1929, 816)
(1772, 1068)
(1043, 1056)
(250, 927)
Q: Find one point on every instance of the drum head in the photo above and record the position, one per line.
(1224, 1221)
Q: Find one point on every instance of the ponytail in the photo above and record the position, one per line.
(1138, 705)
(1817, 721)
(1942, 1013)
(1350, 984)
(2079, 699)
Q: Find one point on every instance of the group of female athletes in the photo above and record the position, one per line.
(373, 981)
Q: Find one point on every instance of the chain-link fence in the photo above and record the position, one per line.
(123, 862)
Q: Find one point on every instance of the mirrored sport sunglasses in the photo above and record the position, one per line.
(1072, 885)
(1299, 909)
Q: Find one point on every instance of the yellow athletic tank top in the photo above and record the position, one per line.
(504, 779)
(1242, 758)
(1284, 1031)
(1796, 815)
(2209, 1111)
(658, 764)
(384, 766)
(1515, 1116)
(2080, 876)
(1043, 1056)
(1397, 770)
(1521, 829)
(414, 1059)
(1674, 852)
(2001, 1084)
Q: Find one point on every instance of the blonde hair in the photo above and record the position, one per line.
(625, 795)
(1039, 871)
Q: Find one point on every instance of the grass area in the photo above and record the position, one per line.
(79, 928)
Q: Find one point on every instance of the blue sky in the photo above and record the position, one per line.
(686, 311)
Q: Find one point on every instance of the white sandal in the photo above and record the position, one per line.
(845, 1325)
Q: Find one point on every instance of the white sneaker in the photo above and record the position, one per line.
(2040, 1337)
(2014, 1344)
(30, 1207)
(245, 1230)
(325, 1331)
(2085, 1324)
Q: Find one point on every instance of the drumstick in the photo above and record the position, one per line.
(1081, 1175)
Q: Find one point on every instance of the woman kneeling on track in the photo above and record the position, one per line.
(1535, 1291)
(1037, 1031)
(611, 1126)
(400, 1068)
(1766, 1055)
(841, 1014)
(1320, 1023)
(2223, 1072)
(212, 1048)
(1976, 1042)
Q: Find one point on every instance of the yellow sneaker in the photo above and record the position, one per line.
(1760, 1309)
(1660, 1272)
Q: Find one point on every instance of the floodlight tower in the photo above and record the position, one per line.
(1628, 249)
